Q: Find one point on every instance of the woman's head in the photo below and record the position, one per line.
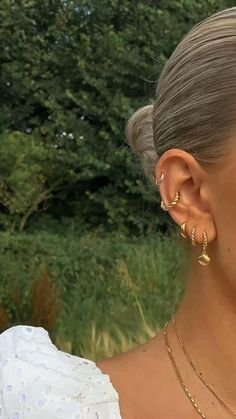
(191, 126)
(194, 106)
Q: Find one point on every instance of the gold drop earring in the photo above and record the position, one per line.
(204, 259)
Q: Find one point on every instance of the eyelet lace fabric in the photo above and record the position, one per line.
(38, 381)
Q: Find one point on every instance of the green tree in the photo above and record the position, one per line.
(31, 175)
(71, 74)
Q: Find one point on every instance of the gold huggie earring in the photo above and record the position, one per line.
(183, 231)
(172, 203)
(193, 236)
(161, 178)
(204, 259)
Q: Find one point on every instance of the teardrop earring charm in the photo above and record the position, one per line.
(204, 259)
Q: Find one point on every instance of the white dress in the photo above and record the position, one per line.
(37, 381)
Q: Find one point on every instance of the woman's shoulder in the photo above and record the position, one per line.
(38, 380)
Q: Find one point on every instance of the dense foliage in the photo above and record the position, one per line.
(116, 284)
(72, 71)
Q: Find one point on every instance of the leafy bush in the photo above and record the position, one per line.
(112, 283)
(71, 74)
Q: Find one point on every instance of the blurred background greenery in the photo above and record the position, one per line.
(85, 250)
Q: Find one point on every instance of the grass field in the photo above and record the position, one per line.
(142, 287)
(98, 295)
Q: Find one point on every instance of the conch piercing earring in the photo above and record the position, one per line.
(166, 207)
(204, 259)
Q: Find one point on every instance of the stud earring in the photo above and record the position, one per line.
(204, 259)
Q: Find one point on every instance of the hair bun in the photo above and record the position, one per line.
(139, 134)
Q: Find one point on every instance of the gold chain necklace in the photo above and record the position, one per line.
(232, 413)
(187, 392)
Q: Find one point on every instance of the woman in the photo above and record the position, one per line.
(187, 144)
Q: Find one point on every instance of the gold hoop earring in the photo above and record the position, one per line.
(183, 231)
(204, 259)
(161, 178)
(193, 236)
(166, 207)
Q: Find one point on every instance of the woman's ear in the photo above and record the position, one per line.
(184, 174)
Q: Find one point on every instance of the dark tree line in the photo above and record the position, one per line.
(71, 72)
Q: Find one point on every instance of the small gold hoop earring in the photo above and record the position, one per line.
(193, 236)
(183, 231)
(204, 259)
(161, 178)
(166, 207)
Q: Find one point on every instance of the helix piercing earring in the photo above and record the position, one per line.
(172, 203)
(166, 207)
(161, 178)
(193, 236)
(183, 231)
(204, 259)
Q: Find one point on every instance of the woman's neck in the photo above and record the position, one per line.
(206, 320)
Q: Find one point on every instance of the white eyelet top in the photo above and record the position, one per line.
(38, 381)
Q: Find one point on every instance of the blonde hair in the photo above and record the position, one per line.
(195, 97)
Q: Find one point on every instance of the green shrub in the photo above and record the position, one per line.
(117, 285)
(71, 74)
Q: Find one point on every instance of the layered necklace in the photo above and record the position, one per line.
(185, 388)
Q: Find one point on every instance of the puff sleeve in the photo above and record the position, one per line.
(39, 381)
